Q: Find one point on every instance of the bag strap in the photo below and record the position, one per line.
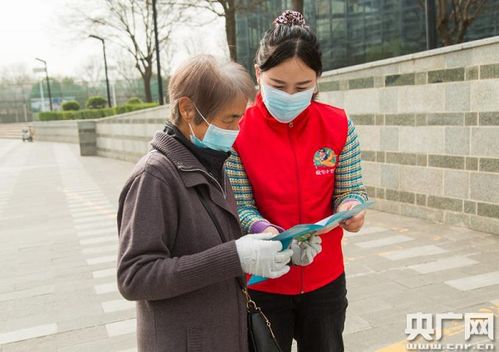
(219, 230)
(251, 306)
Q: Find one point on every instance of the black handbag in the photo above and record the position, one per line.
(261, 338)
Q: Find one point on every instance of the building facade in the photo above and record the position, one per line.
(356, 31)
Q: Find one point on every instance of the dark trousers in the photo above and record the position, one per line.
(314, 319)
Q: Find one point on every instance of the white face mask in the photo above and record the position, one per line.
(215, 138)
(285, 107)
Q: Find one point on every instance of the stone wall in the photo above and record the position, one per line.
(124, 137)
(428, 126)
(127, 137)
(429, 131)
(56, 131)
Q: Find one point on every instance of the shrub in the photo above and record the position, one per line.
(68, 115)
(134, 101)
(133, 107)
(108, 112)
(92, 113)
(96, 102)
(50, 115)
(71, 105)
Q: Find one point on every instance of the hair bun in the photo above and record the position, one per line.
(290, 18)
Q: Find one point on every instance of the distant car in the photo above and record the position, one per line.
(27, 135)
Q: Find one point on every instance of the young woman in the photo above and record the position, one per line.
(298, 161)
(180, 251)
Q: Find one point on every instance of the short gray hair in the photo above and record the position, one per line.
(210, 83)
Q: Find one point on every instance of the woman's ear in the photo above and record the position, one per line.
(317, 84)
(186, 109)
(257, 73)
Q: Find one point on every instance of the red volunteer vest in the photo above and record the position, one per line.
(291, 168)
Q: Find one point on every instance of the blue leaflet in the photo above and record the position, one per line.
(303, 231)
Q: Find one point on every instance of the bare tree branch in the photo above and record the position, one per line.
(128, 24)
(454, 18)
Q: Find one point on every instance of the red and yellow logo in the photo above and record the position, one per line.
(324, 161)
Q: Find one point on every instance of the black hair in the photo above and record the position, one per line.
(289, 37)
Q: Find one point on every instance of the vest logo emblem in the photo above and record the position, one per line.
(324, 161)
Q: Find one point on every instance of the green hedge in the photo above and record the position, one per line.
(71, 105)
(93, 113)
(134, 100)
(133, 107)
(96, 103)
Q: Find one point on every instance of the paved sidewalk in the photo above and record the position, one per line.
(58, 250)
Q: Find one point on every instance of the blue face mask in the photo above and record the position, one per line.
(285, 107)
(215, 138)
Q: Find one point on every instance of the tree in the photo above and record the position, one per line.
(70, 89)
(226, 9)
(297, 5)
(16, 75)
(454, 17)
(92, 70)
(127, 75)
(222, 8)
(15, 85)
(129, 24)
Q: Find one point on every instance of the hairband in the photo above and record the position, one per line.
(290, 18)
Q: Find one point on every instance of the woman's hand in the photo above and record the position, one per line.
(304, 252)
(354, 224)
(261, 256)
(272, 230)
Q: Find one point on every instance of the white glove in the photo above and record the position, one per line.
(305, 251)
(262, 257)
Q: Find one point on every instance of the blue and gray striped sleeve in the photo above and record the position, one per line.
(249, 216)
(348, 182)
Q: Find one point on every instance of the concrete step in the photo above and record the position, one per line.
(7, 131)
(10, 133)
(12, 130)
(9, 137)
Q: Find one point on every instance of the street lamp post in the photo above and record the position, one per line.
(105, 67)
(113, 84)
(48, 81)
(160, 81)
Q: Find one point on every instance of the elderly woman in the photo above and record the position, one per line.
(180, 252)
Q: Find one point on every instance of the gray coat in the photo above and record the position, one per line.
(171, 259)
